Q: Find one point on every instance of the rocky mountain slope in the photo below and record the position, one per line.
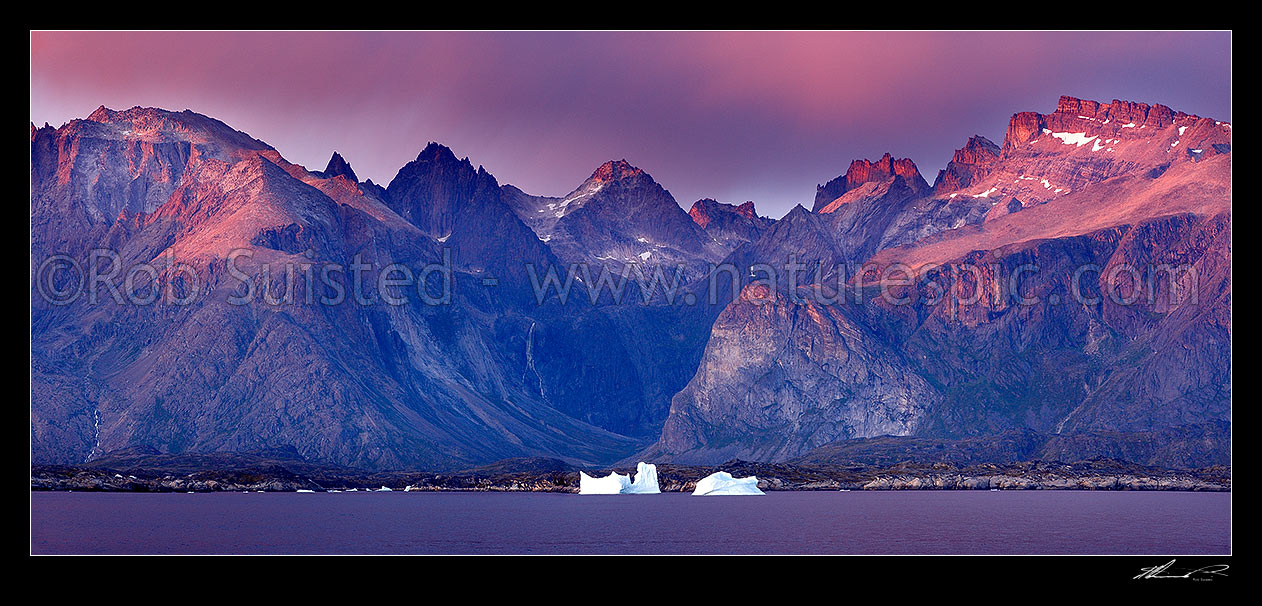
(782, 373)
(355, 383)
(730, 366)
(618, 216)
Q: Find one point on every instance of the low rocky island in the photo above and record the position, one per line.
(284, 472)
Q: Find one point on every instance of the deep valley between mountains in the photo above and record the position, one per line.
(999, 356)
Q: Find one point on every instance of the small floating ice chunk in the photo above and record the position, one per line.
(384, 489)
(722, 483)
(304, 490)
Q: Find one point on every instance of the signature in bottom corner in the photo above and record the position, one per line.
(1202, 573)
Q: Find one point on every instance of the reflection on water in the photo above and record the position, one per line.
(905, 522)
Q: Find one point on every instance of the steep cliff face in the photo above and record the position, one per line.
(1043, 365)
(776, 380)
(1095, 372)
(779, 378)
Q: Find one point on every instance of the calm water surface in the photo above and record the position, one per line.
(911, 522)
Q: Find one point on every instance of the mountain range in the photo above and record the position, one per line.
(481, 364)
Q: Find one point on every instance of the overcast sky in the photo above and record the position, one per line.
(733, 116)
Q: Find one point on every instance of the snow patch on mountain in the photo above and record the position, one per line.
(1078, 139)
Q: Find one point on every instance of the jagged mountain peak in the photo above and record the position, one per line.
(100, 114)
(700, 211)
(438, 159)
(437, 152)
(616, 170)
(865, 171)
(970, 163)
(613, 176)
(976, 144)
(703, 211)
(797, 213)
(1093, 117)
(706, 211)
(338, 166)
(1155, 115)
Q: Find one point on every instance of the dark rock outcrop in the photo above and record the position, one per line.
(866, 171)
(339, 167)
(728, 224)
(970, 163)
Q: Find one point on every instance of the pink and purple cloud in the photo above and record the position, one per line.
(736, 116)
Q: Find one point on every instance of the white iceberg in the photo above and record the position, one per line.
(615, 483)
(722, 483)
(645, 480)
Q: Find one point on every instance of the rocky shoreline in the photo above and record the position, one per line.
(550, 475)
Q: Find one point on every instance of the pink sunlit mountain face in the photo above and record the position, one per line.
(726, 365)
